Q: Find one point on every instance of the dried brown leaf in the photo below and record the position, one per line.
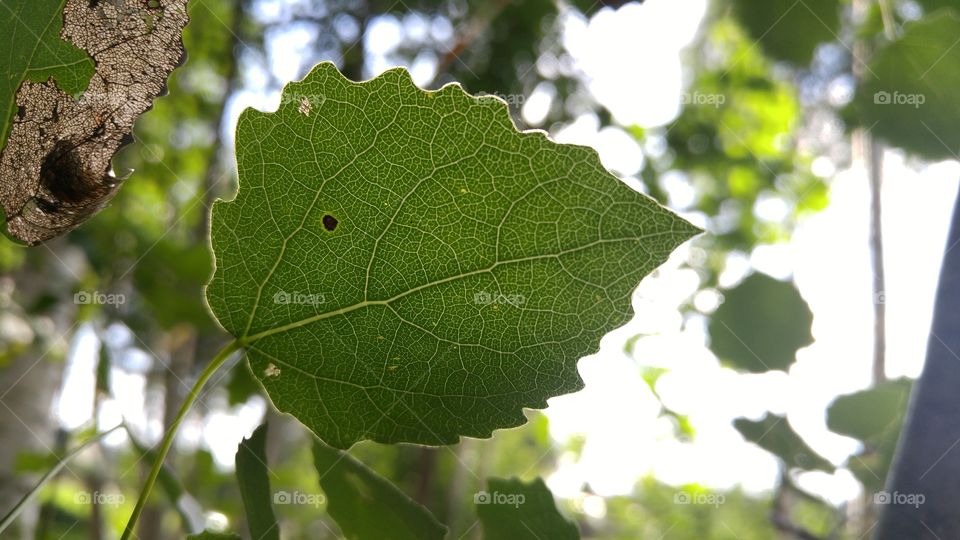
(55, 171)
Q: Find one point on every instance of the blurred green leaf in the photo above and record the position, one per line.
(514, 510)
(531, 248)
(170, 277)
(253, 477)
(659, 511)
(908, 96)
(760, 325)
(210, 535)
(870, 413)
(875, 417)
(789, 29)
(366, 505)
(33, 462)
(774, 434)
(241, 385)
(930, 6)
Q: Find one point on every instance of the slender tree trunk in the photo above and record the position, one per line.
(874, 161)
(27, 386)
(926, 469)
(29, 382)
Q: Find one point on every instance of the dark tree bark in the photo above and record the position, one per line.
(927, 465)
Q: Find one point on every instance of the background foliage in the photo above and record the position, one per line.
(755, 112)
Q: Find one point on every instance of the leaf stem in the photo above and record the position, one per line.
(168, 437)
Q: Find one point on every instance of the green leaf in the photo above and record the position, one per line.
(33, 50)
(774, 434)
(930, 6)
(170, 277)
(252, 475)
(405, 266)
(210, 535)
(514, 510)
(908, 96)
(241, 385)
(365, 505)
(789, 29)
(870, 413)
(875, 417)
(760, 325)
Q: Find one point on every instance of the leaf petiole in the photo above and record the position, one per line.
(168, 437)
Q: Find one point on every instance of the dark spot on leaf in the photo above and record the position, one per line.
(93, 3)
(21, 111)
(329, 222)
(65, 178)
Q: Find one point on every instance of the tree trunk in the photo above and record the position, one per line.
(30, 381)
(923, 486)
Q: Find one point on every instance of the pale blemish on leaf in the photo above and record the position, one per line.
(271, 371)
(305, 107)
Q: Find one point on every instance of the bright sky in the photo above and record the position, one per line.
(641, 83)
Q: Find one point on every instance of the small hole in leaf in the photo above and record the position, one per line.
(329, 222)
(21, 111)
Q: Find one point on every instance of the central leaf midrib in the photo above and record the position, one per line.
(247, 340)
